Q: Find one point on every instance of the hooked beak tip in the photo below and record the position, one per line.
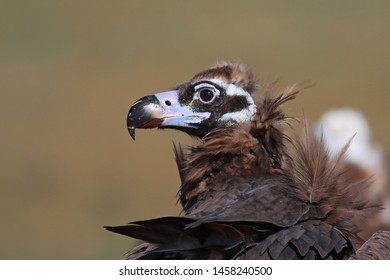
(131, 131)
(142, 114)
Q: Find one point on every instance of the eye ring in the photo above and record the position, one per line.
(207, 95)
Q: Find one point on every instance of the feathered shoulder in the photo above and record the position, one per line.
(328, 182)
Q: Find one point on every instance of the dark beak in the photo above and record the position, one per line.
(162, 110)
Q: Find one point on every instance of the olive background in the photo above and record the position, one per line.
(69, 71)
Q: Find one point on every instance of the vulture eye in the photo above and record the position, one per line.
(207, 94)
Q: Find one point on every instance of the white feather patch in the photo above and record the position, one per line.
(231, 89)
(244, 115)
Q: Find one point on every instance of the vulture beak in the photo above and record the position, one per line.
(162, 110)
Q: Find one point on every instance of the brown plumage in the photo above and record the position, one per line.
(248, 191)
(376, 248)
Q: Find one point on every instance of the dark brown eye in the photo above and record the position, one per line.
(207, 95)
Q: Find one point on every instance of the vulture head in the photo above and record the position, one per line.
(242, 134)
(218, 96)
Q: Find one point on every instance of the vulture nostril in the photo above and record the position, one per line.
(168, 103)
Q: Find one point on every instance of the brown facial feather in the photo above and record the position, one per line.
(231, 73)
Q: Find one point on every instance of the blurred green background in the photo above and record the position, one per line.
(69, 71)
